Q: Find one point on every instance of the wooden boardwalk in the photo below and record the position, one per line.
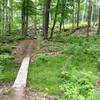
(21, 79)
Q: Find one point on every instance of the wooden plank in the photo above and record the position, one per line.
(21, 79)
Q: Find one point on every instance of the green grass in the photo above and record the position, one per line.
(8, 68)
(44, 74)
(75, 25)
(10, 38)
(79, 53)
(69, 25)
(78, 58)
(8, 72)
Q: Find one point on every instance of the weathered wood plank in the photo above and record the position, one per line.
(21, 79)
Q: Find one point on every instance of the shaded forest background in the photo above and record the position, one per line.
(31, 16)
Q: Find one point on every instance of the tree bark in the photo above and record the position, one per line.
(98, 31)
(0, 18)
(73, 15)
(24, 17)
(27, 2)
(54, 19)
(78, 13)
(46, 18)
(62, 14)
(89, 16)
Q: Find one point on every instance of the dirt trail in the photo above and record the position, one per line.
(21, 79)
(23, 51)
(24, 48)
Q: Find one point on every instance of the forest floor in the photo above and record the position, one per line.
(75, 56)
(55, 65)
(18, 54)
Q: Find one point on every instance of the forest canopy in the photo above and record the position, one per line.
(47, 15)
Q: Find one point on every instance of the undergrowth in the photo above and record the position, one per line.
(44, 73)
(8, 69)
(79, 60)
(10, 38)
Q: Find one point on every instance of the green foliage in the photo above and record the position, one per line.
(8, 72)
(6, 48)
(98, 64)
(83, 52)
(96, 95)
(78, 85)
(8, 69)
(11, 38)
(72, 73)
(5, 57)
(44, 73)
(80, 70)
(60, 38)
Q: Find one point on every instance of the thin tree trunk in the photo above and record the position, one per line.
(4, 17)
(27, 2)
(35, 18)
(0, 18)
(7, 28)
(24, 17)
(84, 10)
(73, 15)
(98, 31)
(89, 16)
(62, 14)
(78, 13)
(54, 19)
(46, 18)
(9, 16)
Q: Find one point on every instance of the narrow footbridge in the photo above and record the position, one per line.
(21, 79)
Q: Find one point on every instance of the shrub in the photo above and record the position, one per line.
(4, 58)
(6, 48)
(10, 38)
(78, 85)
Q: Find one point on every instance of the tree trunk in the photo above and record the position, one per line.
(46, 18)
(98, 31)
(24, 17)
(9, 16)
(4, 17)
(78, 13)
(54, 19)
(73, 15)
(62, 14)
(89, 16)
(0, 18)
(27, 2)
(35, 18)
